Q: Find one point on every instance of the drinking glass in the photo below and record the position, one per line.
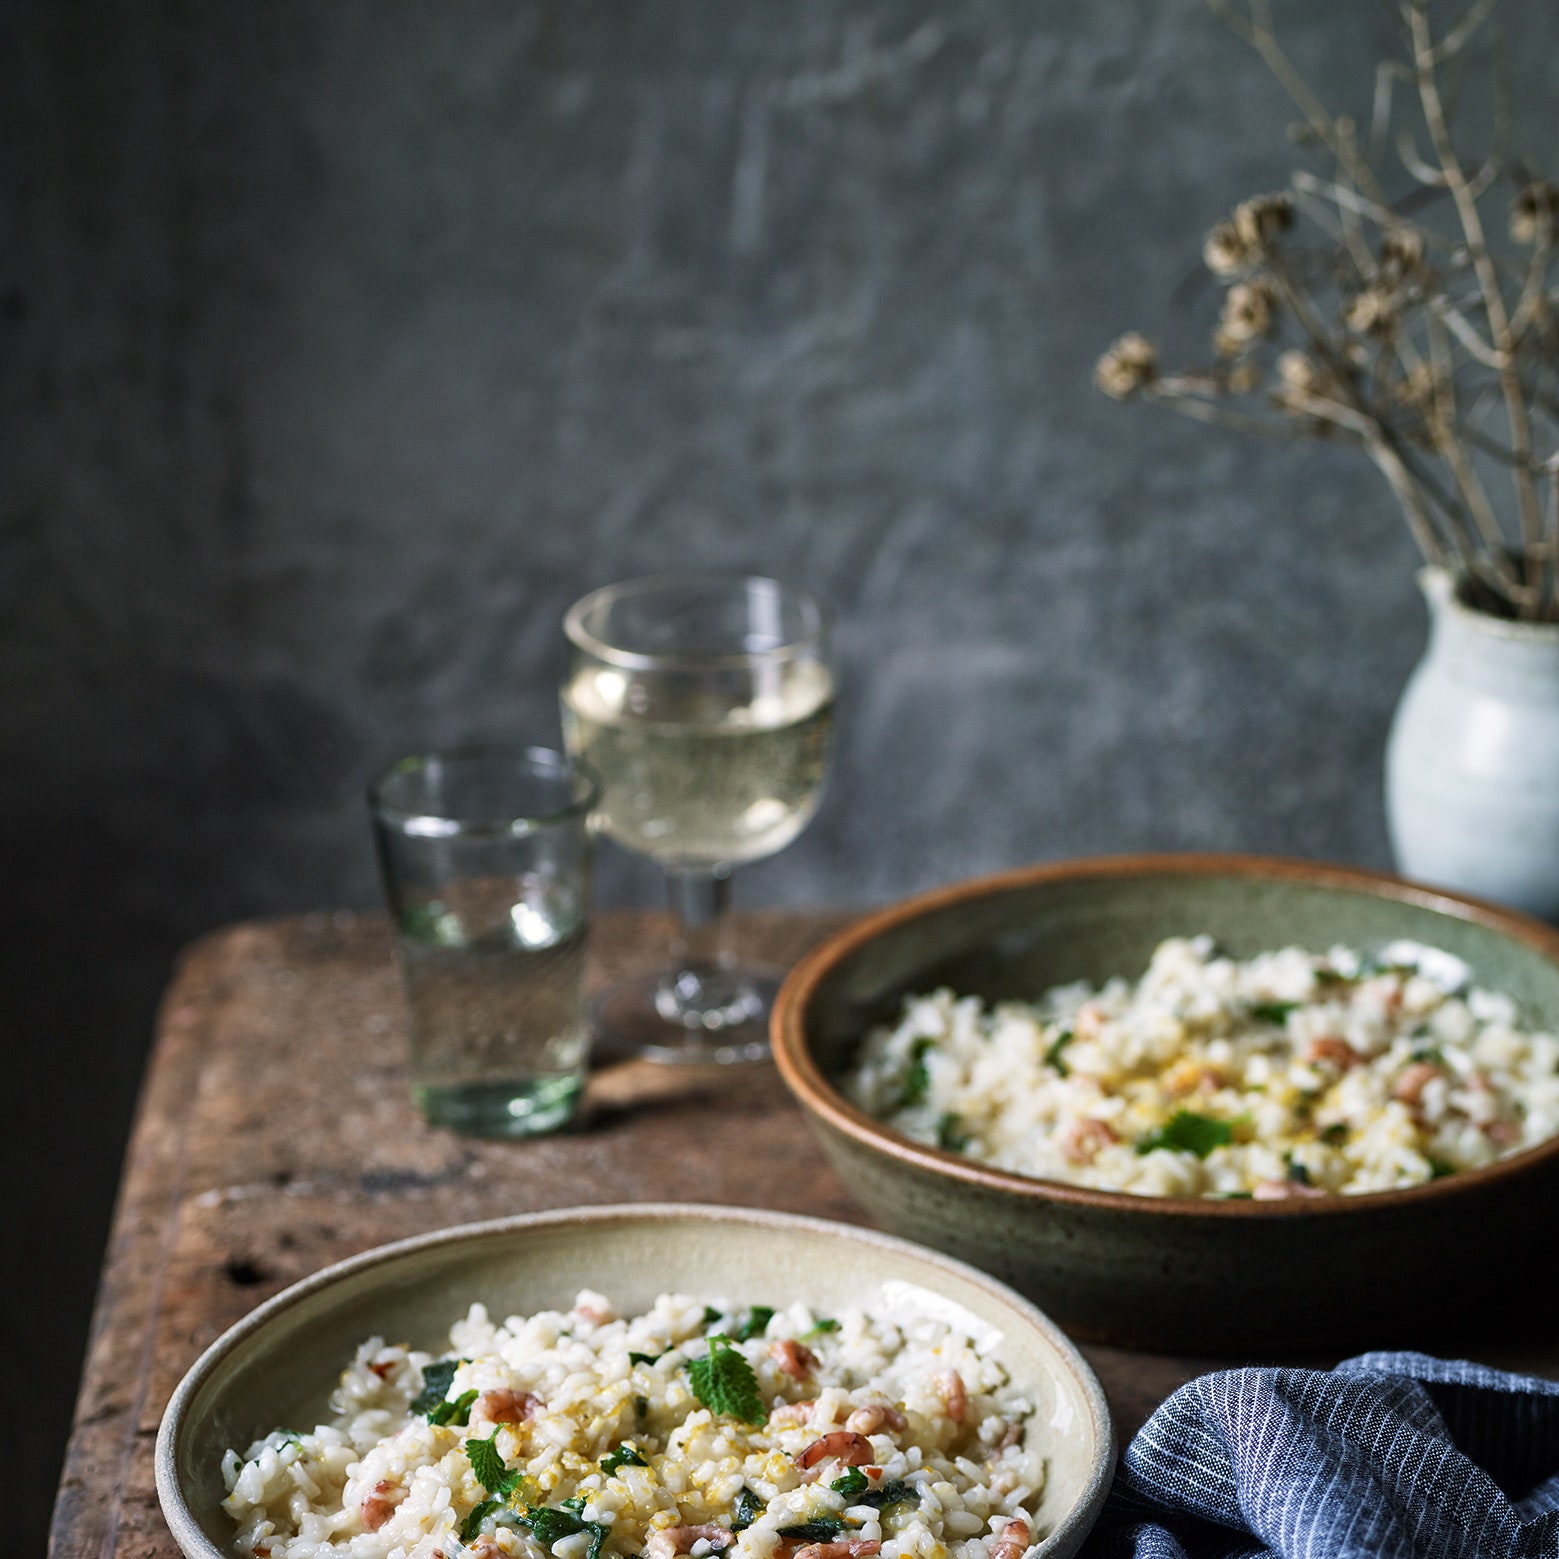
(705, 705)
(486, 854)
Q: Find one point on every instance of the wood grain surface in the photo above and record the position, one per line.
(275, 1135)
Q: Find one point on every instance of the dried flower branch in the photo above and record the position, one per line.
(1407, 331)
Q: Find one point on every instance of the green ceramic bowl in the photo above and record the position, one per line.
(1422, 1264)
(278, 1366)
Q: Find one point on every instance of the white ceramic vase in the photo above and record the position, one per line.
(1472, 766)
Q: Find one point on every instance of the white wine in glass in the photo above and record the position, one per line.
(705, 705)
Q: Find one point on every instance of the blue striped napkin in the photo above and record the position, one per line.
(1389, 1456)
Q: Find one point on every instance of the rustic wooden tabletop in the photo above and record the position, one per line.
(275, 1135)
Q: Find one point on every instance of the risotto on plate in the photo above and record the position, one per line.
(694, 1428)
(1290, 1074)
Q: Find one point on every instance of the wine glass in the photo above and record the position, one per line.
(705, 705)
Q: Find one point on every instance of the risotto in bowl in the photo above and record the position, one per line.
(532, 1389)
(1213, 1102)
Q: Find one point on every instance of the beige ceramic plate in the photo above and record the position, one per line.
(277, 1367)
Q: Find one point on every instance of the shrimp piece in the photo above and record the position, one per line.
(377, 1506)
(485, 1547)
(1082, 1141)
(385, 1364)
(843, 1445)
(1011, 1436)
(949, 1386)
(668, 1542)
(1503, 1133)
(1088, 1022)
(1283, 1190)
(506, 1407)
(1014, 1540)
(1191, 1077)
(791, 1414)
(797, 1360)
(1414, 1079)
(1333, 1052)
(840, 1548)
(874, 1418)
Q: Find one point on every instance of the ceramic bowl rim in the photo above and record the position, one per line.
(817, 1095)
(1077, 1522)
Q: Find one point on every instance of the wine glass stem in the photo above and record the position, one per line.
(700, 908)
(704, 989)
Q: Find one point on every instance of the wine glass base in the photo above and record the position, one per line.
(636, 1019)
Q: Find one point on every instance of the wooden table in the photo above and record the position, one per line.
(275, 1135)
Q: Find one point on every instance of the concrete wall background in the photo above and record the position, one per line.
(343, 345)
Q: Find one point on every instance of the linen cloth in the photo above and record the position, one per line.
(1389, 1456)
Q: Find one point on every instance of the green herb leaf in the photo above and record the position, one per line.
(711, 1315)
(820, 1529)
(437, 1377)
(548, 1526)
(1335, 1134)
(823, 1324)
(1273, 1011)
(748, 1508)
(893, 1492)
(626, 1455)
(950, 1134)
(1439, 1168)
(724, 1382)
(1326, 975)
(457, 1412)
(641, 1406)
(1187, 1132)
(1431, 1053)
(472, 1525)
(917, 1080)
(645, 1358)
(487, 1463)
(852, 1483)
(1298, 1173)
(757, 1319)
(1053, 1054)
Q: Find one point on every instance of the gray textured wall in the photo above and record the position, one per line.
(343, 344)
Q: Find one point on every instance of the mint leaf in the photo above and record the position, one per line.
(724, 1382)
(852, 1483)
(711, 1315)
(917, 1080)
(1273, 1011)
(950, 1134)
(626, 1455)
(1053, 1054)
(437, 1378)
(757, 1319)
(1335, 1134)
(820, 1529)
(549, 1525)
(824, 1323)
(748, 1508)
(645, 1358)
(473, 1523)
(487, 1463)
(893, 1492)
(1187, 1132)
(457, 1412)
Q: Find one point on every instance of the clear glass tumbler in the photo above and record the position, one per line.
(706, 706)
(486, 854)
